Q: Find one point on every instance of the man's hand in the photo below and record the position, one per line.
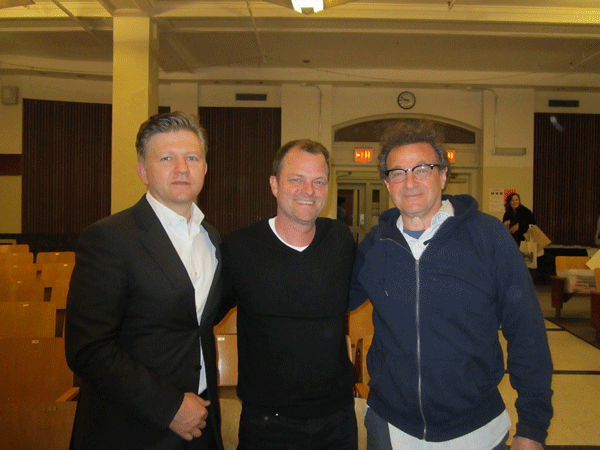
(191, 417)
(521, 443)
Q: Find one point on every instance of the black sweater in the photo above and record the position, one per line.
(293, 358)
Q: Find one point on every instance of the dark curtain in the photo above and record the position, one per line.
(242, 143)
(566, 195)
(66, 165)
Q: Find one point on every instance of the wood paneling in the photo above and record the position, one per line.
(11, 164)
(66, 165)
(566, 196)
(242, 143)
(66, 157)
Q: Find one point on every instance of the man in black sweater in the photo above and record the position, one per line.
(289, 276)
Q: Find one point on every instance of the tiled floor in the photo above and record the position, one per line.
(576, 382)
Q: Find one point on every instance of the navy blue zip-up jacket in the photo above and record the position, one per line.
(436, 361)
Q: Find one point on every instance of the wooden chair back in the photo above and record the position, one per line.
(228, 325)
(571, 262)
(14, 248)
(31, 290)
(34, 377)
(362, 349)
(33, 370)
(360, 322)
(16, 258)
(227, 359)
(27, 319)
(54, 257)
(53, 271)
(60, 290)
(20, 271)
(349, 348)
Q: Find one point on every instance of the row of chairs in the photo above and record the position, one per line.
(19, 253)
(358, 340)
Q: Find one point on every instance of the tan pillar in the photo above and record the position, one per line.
(135, 98)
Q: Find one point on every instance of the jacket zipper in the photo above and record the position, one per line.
(418, 327)
(417, 319)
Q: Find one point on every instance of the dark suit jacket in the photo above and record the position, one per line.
(131, 334)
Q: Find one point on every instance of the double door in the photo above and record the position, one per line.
(360, 202)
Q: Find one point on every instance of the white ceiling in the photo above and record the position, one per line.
(546, 44)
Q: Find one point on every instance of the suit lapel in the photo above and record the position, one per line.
(214, 296)
(159, 246)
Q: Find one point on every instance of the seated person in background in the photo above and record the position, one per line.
(517, 217)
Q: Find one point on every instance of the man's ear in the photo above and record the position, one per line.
(274, 185)
(141, 171)
(444, 176)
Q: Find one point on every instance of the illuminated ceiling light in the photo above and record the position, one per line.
(307, 6)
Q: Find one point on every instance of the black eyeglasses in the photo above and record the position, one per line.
(420, 172)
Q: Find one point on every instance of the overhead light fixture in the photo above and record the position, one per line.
(307, 6)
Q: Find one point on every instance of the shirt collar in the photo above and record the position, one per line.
(445, 211)
(169, 218)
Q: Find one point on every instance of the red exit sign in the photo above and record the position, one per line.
(362, 154)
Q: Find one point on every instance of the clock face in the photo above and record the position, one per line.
(406, 100)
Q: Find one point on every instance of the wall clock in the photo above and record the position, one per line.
(406, 100)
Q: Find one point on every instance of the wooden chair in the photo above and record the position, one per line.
(53, 271)
(360, 322)
(228, 325)
(14, 248)
(54, 257)
(16, 258)
(31, 290)
(349, 348)
(227, 364)
(362, 349)
(17, 271)
(35, 410)
(27, 319)
(58, 296)
(558, 294)
(33, 369)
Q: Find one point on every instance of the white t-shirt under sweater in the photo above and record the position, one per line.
(488, 436)
(197, 253)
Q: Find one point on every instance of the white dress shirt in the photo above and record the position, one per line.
(197, 253)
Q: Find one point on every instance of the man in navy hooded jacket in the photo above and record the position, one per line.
(443, 277)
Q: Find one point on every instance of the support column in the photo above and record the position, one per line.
(135, 98)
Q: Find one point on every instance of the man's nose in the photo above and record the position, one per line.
(181, 165)
(308, 187)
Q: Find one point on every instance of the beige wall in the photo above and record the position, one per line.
(505, 117)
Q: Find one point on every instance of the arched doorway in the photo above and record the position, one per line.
(358, 182)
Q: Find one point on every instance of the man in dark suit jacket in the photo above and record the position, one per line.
(142, 303)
